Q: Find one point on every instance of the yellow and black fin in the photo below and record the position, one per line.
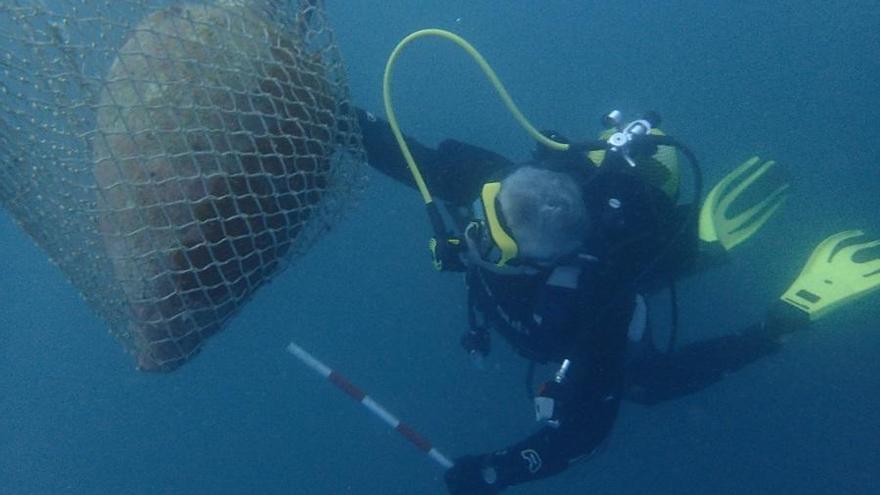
(719, 224)
(833, 278)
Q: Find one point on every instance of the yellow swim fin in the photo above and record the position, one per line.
(832, 277)
(717, 224)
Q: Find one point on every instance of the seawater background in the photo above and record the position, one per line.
(795, 81)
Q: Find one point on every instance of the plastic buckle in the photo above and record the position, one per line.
(444, 254)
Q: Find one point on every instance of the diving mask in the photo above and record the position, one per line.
(487, 235)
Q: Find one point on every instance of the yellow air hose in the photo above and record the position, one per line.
(490, 74)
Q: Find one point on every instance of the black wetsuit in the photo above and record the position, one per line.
(586, 323)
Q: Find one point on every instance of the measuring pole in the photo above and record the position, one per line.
(374, 407)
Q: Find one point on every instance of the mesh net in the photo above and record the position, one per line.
(171, 158)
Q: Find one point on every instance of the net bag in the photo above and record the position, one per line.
(172, 158)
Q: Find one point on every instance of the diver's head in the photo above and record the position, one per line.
(532, 218)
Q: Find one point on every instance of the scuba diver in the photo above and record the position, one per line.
(560, 253)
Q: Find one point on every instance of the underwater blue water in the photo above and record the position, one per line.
(793, 81)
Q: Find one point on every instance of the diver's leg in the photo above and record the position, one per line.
(693, 367)
(842, 269)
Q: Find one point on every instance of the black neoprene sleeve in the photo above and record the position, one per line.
(453, 172)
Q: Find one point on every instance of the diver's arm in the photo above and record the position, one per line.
(585, 418)
(384, 154)
(585, 394)
(584, 423)
(585, 402)
(453, 172)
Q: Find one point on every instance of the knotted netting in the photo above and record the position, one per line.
(172, 157)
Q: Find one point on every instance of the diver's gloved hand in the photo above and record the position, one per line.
(476, 342)
(472, 476)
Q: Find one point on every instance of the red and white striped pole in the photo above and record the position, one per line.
(374, 407)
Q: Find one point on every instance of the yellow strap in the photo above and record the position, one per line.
(508, 247)
(490, 74)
